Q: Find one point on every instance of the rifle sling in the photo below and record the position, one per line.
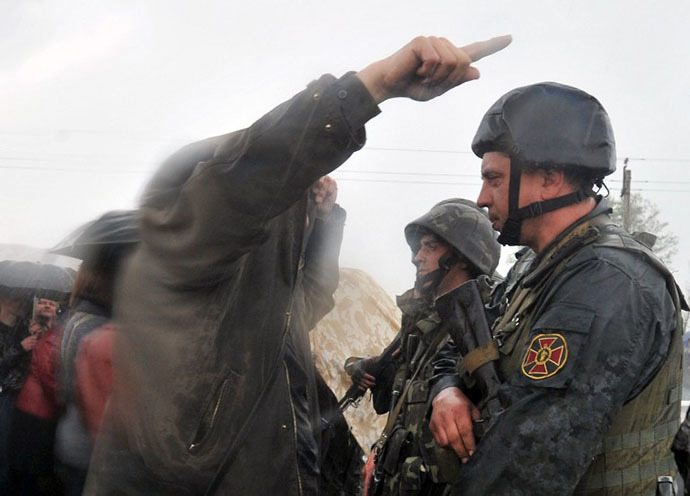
(478, 357)
(435, 345)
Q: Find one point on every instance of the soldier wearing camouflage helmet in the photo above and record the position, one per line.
(451, 244)
(588, 337)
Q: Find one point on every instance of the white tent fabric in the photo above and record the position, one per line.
(365, 319)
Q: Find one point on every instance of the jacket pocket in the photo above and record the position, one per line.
(209, 418)
(556, 339)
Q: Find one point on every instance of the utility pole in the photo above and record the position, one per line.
(625, 195)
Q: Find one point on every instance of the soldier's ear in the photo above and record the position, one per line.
(553, 182)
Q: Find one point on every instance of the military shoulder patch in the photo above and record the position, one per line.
(546, 355)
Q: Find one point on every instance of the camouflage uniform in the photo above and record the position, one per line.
(410, 451)
(410, 462)
(588, 334)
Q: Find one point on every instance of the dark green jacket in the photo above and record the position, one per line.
(218, 286)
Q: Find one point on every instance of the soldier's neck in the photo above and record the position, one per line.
(539, 232)
(456, 276)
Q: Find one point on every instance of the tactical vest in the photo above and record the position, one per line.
(407, 461)
(636, 448)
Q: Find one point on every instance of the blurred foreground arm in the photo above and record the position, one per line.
(427, 67)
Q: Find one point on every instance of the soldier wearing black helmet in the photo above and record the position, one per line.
(589, 340)
(450, 244)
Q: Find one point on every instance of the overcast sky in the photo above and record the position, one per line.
(93, 95)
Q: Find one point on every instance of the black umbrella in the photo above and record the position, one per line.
(118, 228)
(45, 280)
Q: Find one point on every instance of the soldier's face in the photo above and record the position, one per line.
(430, 252)
(496, 186)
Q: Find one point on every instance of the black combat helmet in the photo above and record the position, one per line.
(464, 226)
(547, 125)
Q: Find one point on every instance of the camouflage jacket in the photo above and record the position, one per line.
(440, 375)
(593, 336)
(426, 360)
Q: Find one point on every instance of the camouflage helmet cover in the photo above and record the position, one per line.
(464, 226)
(549, 125)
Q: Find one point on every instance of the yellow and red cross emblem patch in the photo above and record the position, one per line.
(546, 355)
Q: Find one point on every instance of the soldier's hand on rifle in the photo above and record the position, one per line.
(451, 422)
(358, 371)
(427, 67)
(366, 381)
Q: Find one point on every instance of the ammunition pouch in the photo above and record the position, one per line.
(390, 453)
(442, 464)
(412, 475)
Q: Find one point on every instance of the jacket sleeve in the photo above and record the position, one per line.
(11, 356)
(616, 335)
(46, 366)
(212, 201)
(10, 353)
(387, 366)
(93, 377)
(321, 269)
(445, 370)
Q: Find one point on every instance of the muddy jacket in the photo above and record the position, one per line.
(588, 343)
(219, 288)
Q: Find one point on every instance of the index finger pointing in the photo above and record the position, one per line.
(481, 49)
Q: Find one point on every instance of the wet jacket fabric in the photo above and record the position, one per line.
(38, 395)
(14, 363)
(72, 442)
(219, 287)
(35, 416)
(587, 354)
(94, 376)
(14, 360)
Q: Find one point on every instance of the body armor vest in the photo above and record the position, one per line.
(408, 462)
(636, 448)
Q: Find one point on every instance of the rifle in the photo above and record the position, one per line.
(373, 366)
(463, 310)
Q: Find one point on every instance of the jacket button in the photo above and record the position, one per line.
(342, 94)
(328, 127)
(316, 96)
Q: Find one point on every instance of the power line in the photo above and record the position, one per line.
(417, 150)
(466, 152)
(433, 174)
(344, 171)
(352, 179)
(662, 190)
(65, 169)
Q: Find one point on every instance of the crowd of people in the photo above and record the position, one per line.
(56, 360)
(564, 377)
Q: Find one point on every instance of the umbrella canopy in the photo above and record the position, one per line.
(23, 253)
(115, 228)
(45, 280)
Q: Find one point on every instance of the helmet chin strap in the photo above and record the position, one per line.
(445, 263)
(510, 233)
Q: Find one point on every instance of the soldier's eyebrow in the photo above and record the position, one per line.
(490, 174)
